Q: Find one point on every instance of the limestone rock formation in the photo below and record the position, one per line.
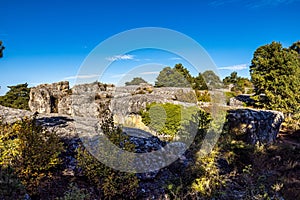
(131, 121)
(45, 98)
(251, 125)
(10, 115)
(241, 100)
(97, 100)
(255, 126)
(86, 100)
(90, 100)
(234, 102)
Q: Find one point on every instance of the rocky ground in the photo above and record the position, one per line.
(152, 185)
(95, 102)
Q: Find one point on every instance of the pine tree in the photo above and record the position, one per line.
(16, 97)
(275, 73)
(169, 77)
(199, 83)
(212, 80)
(136, 81)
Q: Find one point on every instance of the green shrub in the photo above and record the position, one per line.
(32, 151)
(75, 193)
(201, 180)
(168, 119)
(10, 185)
(250, 91)
(210, 180)
(114, 184)
(291, 124)
(203, 96)
(136, 81)
(163, 118)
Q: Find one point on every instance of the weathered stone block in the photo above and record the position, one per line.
(255, 126)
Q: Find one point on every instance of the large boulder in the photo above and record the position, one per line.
(89, 100)
(44, 98)
(85, 100)
(11, 115)
(255, 126)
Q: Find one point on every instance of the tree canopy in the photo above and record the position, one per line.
(184, 72)
(239, 83)
(212, 80)
(275, 73)
(136, 81)
(169, 77)
(232, 79)
(199, 83)
(16, 97)
(296, 47)
(179, 76)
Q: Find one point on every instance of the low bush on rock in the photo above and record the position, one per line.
(168, 119)
(10, 185)
(111, 183)
(75, 193)
(203, 96)
(31, 151)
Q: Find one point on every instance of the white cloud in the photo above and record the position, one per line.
(147, 73)
(121, 57)
(82, 76)
(235, 67)
(175, 58)
(119, 75)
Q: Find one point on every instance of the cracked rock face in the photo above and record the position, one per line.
(10, 115)
(45, 98)
(255, 126)
(97, 100)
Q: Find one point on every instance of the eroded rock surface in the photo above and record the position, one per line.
(10, 115)
(255, 126)
(75, 114)
(241, 100)
(45, 98)
(252, 125)
(97, 100)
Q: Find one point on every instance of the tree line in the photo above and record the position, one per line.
(274, 70)
(179, 76)
(275, 78)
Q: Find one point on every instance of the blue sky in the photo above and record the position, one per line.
(47, 41)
